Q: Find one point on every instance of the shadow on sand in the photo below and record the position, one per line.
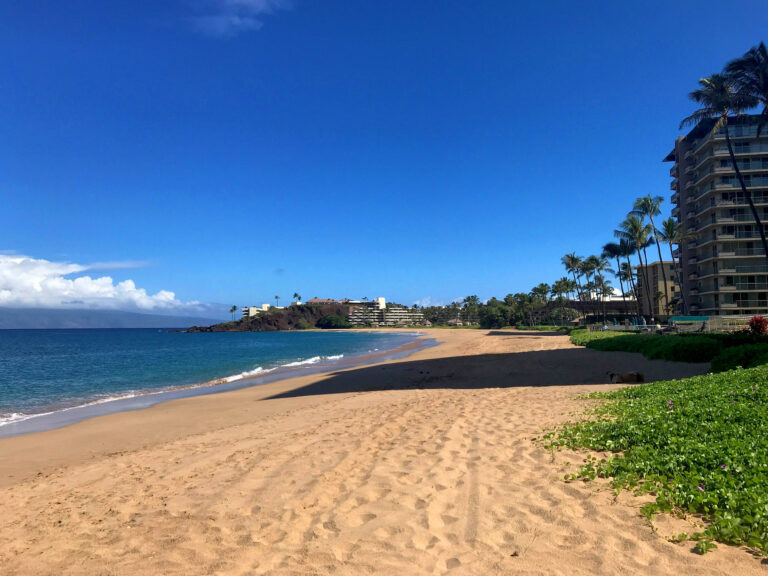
(566, 367)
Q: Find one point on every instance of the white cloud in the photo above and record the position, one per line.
(427, 301)
(231, 17)
(35, 283)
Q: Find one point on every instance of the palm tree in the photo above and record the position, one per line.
(614, 250)
(673, 233)
(604, 288)
(623, 274)
(650, 207)
(559, 289)
(638, 235)
(592, 268)
(297, 296)
(600, 264)
(627, 249)
(541, 291)
(232, 311)
(572, 264)
(750, 75)
(719, 96)
(586, 267)
(277, 301)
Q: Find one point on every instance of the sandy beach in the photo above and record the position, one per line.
(423, 465)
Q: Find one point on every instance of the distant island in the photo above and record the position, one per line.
(55, 318)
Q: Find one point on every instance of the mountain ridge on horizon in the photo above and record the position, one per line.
(57, 318)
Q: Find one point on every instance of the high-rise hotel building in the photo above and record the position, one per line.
(724, 270)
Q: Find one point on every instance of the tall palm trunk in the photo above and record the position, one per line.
(679, 280)
(644, 269)
(661, 263)
(634, 288)
(747, 193)
(578, 284)
(602, 294)
(621, 282)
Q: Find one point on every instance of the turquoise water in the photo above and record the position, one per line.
(44, 371)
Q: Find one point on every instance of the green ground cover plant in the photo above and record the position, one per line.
(547, 328)
(581, 336)
(723, 351)
(700, 445)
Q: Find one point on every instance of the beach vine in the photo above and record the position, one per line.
(699, 445)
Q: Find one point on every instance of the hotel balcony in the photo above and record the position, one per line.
(673, 184)
(761, 269)
(676, 198)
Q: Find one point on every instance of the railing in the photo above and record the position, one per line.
(747, 286)
(745, 304)
(756, 199)
(722, 150)
(741, 218)
(749, 269)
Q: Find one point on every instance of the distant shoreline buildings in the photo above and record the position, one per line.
(375, 313)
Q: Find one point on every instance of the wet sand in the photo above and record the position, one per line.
(423, 465)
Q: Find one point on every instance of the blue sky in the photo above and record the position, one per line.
(228, 151)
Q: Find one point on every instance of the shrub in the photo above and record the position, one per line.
(758, 325)
(301, 324)
(673, 347)
(747, 356)
(493, 317)
(333, 321)
(581, 336)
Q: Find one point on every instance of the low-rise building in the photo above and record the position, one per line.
(661, 304)
(251, 311)
(377, 313)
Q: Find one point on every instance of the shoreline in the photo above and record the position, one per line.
(59, 418)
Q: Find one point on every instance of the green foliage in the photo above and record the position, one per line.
(676, 347)
(333, 321)
(581, 336)
(700, 445)
(724, 351)
(547, 328)
(301, 324)
(493, 316)
(747, 356)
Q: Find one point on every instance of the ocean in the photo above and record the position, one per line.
(49, 378)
